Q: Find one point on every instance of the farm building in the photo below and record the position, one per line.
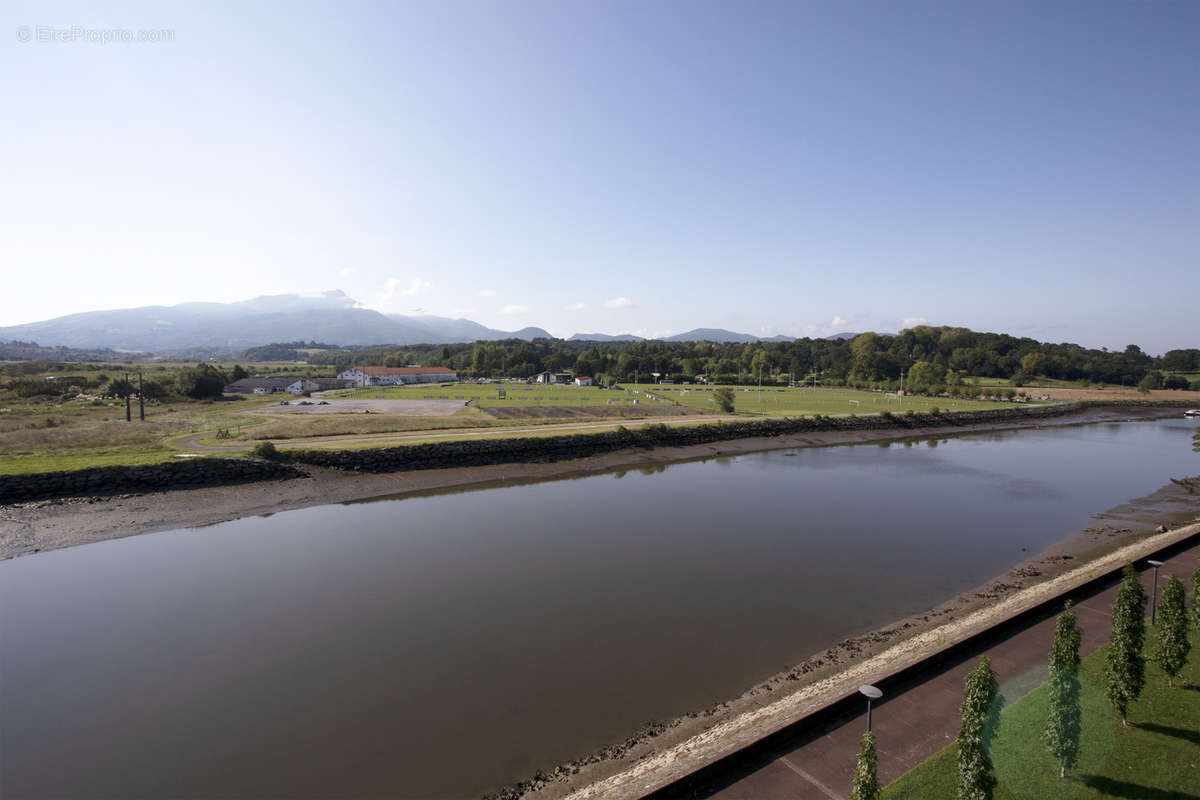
(397, 376)
(583, 380)
(546, 377)
(302, 385)
(260, 385)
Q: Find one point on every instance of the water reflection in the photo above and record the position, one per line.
(353, 649)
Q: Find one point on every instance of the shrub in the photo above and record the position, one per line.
(267, 450)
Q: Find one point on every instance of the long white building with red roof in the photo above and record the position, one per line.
(397, 376)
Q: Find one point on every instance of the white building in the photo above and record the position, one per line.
(303, 385)
(583, 380)
(546, 377)
(397, 376)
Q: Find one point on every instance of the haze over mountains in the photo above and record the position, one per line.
(330, 317)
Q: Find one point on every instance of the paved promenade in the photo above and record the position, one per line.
(918, 715)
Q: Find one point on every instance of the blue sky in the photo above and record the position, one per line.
(797, 168)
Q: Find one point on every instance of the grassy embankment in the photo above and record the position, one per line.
(1157, 757)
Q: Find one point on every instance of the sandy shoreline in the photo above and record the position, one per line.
(37, 526)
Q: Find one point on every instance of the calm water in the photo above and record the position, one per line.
(443, 646)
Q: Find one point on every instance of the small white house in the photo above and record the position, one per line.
(583, 380)
(546, 377)
(303, 385)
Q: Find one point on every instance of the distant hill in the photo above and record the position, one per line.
(327, 317)
(604, 337)
(847, 335)
(445, 329)
(720, 335)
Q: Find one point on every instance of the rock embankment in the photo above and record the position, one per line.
(143, 478)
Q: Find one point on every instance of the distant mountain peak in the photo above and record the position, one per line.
(329, 316)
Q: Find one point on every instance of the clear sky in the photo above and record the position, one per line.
(644, 166)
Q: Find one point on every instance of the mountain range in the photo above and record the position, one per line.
(326, 317)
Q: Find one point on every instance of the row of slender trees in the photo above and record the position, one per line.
(1124, 675)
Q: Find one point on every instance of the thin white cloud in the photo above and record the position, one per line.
(651, 333)
(461, 312)
(391, 287)
(513, 308)
(619, 302)
(575, 307)
(416, 286)
(912, 322)
(346, 272)
(488, 293)
(838, 322)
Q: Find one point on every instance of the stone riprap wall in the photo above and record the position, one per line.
(482, 452)
(145, 478)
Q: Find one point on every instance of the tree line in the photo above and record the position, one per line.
(928, 357)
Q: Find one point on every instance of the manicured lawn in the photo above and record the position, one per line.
(1156, 758)
(775, 401)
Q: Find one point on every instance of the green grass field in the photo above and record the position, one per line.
(800, 402)
(516, 394)
(59, 434)
(1156, 758)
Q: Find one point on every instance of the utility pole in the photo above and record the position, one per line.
(141, 399)
(128, 410)
(902, 386)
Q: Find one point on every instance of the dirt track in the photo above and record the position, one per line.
(359, 405)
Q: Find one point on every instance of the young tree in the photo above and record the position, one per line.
(1196, 586)
(238, 373)
(1125, 672)
(980, 720)
(1064, 723)
(866, 782)
(1171, 630)
(724, 399)
(119, 387)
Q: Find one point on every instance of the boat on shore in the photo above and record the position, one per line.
(1192, 412)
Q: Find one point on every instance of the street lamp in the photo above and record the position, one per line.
(871, 693)
(1154, 593)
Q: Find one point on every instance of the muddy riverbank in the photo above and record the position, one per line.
(52, 524)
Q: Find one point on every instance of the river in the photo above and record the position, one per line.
(442, 646)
